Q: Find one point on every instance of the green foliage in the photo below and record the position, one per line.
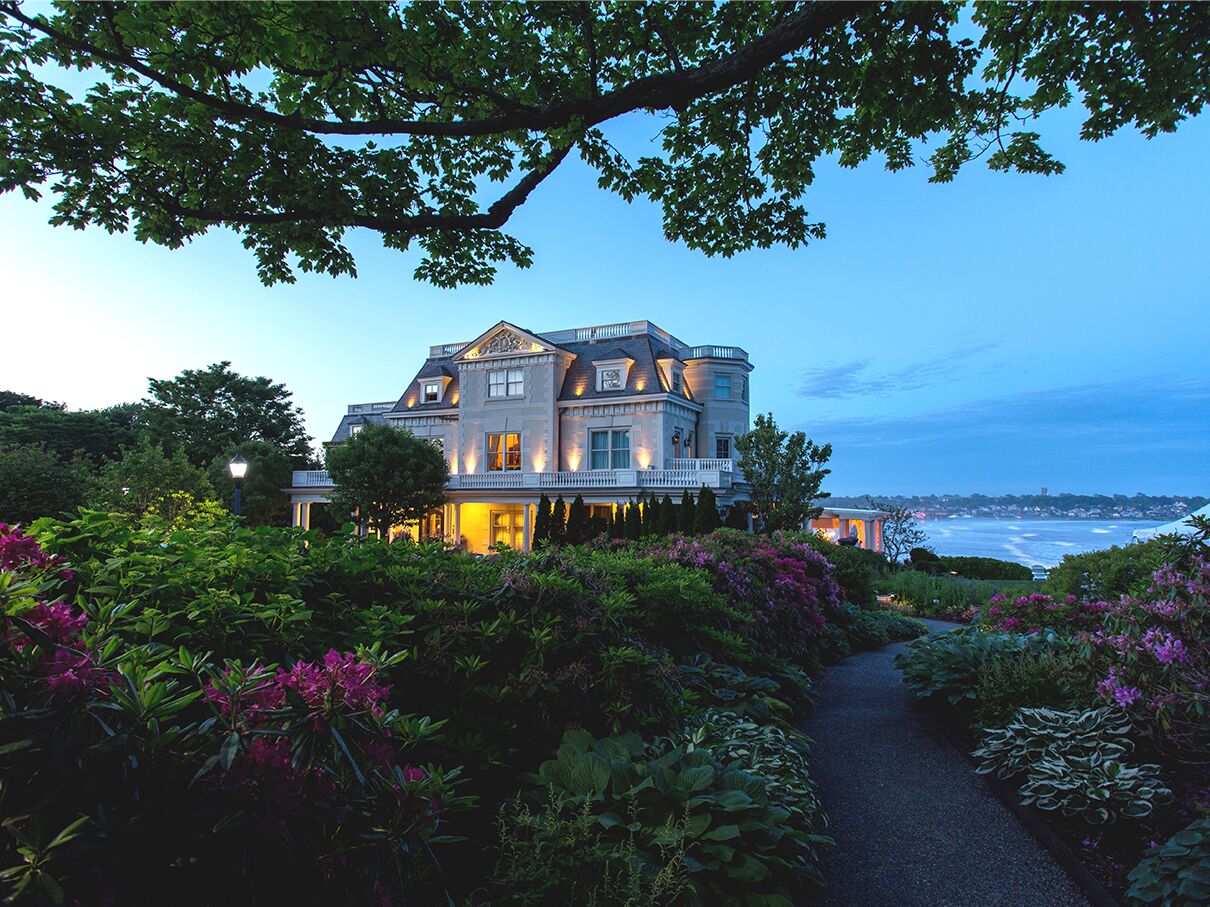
(144, 478)
(262, 501)
(686, 515)
(1095, 789)
(94, 435)
(785, 471)
(749, 99)
(558, 522)
(666, 520)
(387, 477)
(945, 596)
(558, 854)
(35, 482)
(1106, 574)
(866, 628)
(949, 664)
(858, 570)
(577, 522)
(737, 516)
(634, 522)
(542, 522)
(738, 844)
(1176, 874)
(206, 412)
(1060, 676)
(706, 518)
(986, 568)
(14, 399)
(1035, 734)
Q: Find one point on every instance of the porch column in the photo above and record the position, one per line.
(869, 535)
(306, 515)
(457, 524)
(295, 513)
(526, 529)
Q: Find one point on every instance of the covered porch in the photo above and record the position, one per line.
(837, 523)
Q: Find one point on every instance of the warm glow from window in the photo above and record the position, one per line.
(644, 458)
(640, 384)
(573, 460)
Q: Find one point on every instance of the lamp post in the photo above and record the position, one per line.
(238, 467)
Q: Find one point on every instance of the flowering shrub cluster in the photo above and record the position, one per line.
(784, 584)
(1036, 612)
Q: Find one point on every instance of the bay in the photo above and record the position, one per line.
(1027, 542)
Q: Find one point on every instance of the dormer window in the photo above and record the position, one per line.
(354, 429)
(678, 384)
(432, 392)
(613, 373)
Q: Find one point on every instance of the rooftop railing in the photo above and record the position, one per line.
(676, 474)
(357, 408)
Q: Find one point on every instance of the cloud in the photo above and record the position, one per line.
(857, 379)
(1108, 436)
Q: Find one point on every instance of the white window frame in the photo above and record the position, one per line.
(719, 382)
(430, 386)
(720, 440)
(511, 381)
(612, 450)
(355, 428)
(503, 436)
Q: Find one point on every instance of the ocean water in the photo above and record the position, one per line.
(1027, 542)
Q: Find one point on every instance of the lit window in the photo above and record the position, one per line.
(504, 452)
(609, 449)
(439, 443)
(722, 387)
(354, 429)
(508, 528)
(506, 383)
(722, 448)
(432, 392)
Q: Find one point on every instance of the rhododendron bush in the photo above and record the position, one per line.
(132, 770)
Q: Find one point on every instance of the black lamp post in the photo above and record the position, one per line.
(238, 468)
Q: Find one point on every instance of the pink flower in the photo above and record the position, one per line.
(72, 674)
(57, 621)
(341, 679)
(1125, 696)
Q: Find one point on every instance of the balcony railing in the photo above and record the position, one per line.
(714, 352)
(312, 478)
(723, 465)
(680, 475)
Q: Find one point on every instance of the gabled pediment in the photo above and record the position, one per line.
(505, 340)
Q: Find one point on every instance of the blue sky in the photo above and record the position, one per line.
(996, 334)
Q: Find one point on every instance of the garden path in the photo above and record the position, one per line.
(914, 825)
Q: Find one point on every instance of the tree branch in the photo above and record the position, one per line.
(668, 90)
(493, 218)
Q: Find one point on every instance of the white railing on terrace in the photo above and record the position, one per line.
(714, 352)
(680, 476)
(723, 465)
(355, 408)
(312, 478)
(445, 349)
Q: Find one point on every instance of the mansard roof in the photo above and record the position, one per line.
(645, 376)
(439, 367)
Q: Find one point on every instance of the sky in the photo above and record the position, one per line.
(994, 335)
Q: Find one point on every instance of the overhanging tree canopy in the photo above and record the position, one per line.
(432, 123)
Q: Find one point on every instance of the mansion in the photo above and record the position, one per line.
(612, 413)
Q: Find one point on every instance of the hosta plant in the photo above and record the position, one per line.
(1096, 790)
(1176, 874)
(1037, 734)
(948, 664)
(778, 757)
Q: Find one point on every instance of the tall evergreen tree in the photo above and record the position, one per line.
(577, 522)
(706, 520)
(558, 522)
(667, 518)
(634, 523)
(542, 522)
(686, 519)
(737, 516)
(648, 514)
(617, 522)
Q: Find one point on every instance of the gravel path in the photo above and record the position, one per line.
(914, 825)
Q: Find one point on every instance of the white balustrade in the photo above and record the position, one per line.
(312, 478)
(719, 465)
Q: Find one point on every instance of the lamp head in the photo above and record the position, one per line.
(238, 467)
